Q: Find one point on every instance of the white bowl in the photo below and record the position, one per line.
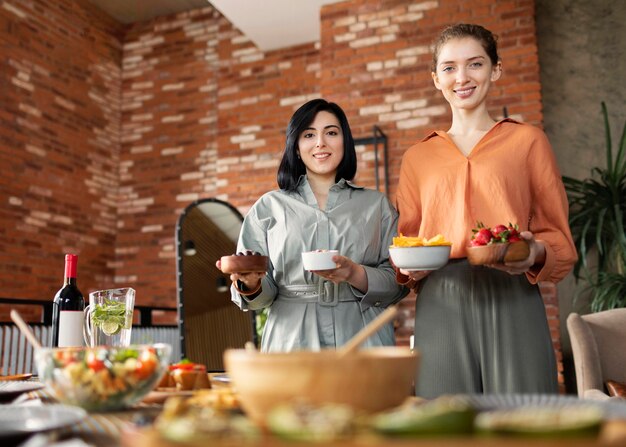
(429, 257)
(319, 260)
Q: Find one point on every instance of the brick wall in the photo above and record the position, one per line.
(108, 132)
(60, 80)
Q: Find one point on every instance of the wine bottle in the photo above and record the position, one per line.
(67, 309)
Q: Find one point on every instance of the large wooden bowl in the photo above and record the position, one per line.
(369, 380)
(498, 253)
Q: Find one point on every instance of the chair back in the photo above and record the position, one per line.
(598, 347)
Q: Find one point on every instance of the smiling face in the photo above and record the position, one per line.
(464, 73)
(320, 146)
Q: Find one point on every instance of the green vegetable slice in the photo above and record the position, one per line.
(442, 416)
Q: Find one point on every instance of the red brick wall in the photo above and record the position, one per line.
(108, 132)
(59, 145)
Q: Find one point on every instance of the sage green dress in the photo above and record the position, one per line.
(307, 312)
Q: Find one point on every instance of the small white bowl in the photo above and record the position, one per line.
(319, 260)
(429, 257)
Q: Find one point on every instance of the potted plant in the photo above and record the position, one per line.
(597, 220)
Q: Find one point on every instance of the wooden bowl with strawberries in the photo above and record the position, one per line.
(497, 245)
(498, 253)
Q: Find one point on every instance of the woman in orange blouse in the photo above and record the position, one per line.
(482, 329)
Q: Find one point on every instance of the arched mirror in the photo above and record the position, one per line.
(209, 322)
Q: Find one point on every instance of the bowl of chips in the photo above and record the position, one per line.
(418, 253)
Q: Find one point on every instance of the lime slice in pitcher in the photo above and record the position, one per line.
(110, 327)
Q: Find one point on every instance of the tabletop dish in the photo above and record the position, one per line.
(428, 257)
(160, 395)
(102, 378)
(319, 260)
(18, 420)
(220, 378)
(490, 402)
(185, 375)
(369, 380)
(10, 389)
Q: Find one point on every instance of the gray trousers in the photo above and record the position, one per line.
(480, 330)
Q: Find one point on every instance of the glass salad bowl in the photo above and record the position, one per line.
(102, 378)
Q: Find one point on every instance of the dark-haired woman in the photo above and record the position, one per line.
(482, 329)
(317, 208)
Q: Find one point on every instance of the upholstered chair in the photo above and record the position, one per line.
(599, 350)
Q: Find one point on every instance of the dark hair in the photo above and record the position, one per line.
(291, 167)
(486, 38)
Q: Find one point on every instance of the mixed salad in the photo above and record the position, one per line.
(102, 378)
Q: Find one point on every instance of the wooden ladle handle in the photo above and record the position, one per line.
(21, 324)
(372, 327)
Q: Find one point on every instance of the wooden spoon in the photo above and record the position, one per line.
(372, 327)
(17, 319)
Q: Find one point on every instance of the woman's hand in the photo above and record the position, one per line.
(347, 271)
(536, 255)
(250, 280)
(416, 275)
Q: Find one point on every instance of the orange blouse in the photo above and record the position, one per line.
(510, 176)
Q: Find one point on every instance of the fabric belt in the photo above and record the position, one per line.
(325, 293)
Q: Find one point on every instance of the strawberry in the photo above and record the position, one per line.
(513, 230)
(483, 236)
(500, 232)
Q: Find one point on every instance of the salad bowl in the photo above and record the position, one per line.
(102, 378)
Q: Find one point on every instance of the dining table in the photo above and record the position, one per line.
(134, 427)
(67, 423)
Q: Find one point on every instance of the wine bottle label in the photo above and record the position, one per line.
(70, 328)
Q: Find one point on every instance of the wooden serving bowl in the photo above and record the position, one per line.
(498, 253)
(370, 380)
(244, 263)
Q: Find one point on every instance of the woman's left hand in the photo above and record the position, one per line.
(536, 255)
(347, 271)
